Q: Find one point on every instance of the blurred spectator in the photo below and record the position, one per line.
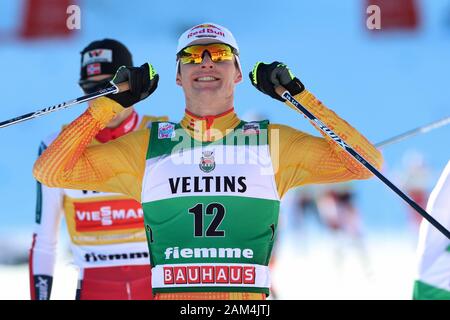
(339, 214)
(414, 182)
(306, 204)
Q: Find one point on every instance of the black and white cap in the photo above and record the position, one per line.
(104, 57)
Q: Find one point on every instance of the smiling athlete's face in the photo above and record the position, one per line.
(208, 81)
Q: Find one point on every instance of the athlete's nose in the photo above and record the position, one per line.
(207, 62)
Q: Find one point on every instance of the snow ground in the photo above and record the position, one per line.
(331, 269)
(304, 269)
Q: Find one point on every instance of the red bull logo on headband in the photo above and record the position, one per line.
(203, 30)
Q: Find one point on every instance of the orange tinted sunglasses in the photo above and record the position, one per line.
(194, 54)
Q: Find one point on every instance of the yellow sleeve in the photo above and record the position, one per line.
(71, 162)
(300, 158)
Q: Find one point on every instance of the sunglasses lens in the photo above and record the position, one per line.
(191, 55)
(218, 52)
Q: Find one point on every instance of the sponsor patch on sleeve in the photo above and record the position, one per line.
(166, 130)
(251, 128)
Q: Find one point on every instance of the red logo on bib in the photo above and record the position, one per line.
(108, 215)
(209, 275)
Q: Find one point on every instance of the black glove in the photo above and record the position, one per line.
(265, 77)
(142, 82)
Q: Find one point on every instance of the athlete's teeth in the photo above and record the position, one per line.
(206, 79)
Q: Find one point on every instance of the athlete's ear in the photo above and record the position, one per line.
(238, 77)
(178, 79)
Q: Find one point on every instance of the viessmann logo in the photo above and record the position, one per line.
(108, 215)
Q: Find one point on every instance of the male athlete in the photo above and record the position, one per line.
(210, 185)
(106, 230)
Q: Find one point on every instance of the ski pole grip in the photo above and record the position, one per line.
(123, 86)
(280, 90)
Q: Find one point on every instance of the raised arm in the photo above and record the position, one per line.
(305, 159)
(116, 166)
(300, 158)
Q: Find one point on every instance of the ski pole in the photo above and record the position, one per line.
(413, 132)
(113, 89)
(286, 95)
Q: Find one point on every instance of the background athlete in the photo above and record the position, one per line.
(433, 250)
(106, 229)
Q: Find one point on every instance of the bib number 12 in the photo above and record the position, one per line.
(214, 208)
